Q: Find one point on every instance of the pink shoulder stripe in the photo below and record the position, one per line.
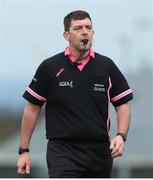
(125, 93)
(35, 94)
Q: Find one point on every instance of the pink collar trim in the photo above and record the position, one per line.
(68, 53)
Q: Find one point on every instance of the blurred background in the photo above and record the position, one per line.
(31, 30)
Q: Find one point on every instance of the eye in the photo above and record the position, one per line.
(89, 27)
(77, 27)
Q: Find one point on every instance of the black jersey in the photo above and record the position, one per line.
(77, 102)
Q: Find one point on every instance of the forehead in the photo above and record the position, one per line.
(81, 22)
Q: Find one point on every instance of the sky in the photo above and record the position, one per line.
(32, 30)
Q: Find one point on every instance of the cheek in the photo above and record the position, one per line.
(91, 36)
(73, 39)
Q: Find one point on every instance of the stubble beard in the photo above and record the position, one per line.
(84, 48)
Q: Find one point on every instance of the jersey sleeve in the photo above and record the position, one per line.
(120, 91)
(36, 92)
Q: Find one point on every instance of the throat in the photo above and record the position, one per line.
(82, 57)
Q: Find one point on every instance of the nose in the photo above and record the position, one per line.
(84, 31)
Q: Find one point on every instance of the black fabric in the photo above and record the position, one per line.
(77, 105)
(78, 160)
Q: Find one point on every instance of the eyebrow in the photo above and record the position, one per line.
(83, 25)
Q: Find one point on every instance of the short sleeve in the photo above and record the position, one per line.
(120, 91)
(36, 92)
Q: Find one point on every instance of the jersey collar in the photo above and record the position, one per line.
(69, 54)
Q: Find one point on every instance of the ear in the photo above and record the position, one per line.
(66, 35)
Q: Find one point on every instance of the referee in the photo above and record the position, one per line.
(77, 87)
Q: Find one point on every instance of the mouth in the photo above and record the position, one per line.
(84, 41)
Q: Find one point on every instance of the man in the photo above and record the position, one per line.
(77, 86)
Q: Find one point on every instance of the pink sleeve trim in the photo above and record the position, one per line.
(125, 93)
(35, 94)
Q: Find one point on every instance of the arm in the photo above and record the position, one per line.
(30, 117)
(123, 114)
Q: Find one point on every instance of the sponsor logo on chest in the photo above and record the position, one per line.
(66, 84)
(99, 87)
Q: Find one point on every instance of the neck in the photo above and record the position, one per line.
(79, 55)
(82, 56)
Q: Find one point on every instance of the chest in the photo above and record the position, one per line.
(75, 84)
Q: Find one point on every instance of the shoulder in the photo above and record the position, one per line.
(103, 59)
(50, 65)
(54, 59)
(52, 62)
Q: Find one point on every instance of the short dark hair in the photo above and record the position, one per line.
(75, 15)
